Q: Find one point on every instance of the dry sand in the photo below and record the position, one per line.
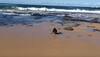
(37, 41)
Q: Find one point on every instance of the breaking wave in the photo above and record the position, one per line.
(50, 8)
(59, 10)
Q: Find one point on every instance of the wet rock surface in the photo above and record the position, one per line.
(69, 28)
(85, 18)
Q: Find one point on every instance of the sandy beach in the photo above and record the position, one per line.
(38, 41)
(27, 30)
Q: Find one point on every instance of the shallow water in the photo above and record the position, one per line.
(10, 20)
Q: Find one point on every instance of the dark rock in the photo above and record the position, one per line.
(55, 31)
(96, 30)
(38, 14)
(95, 20)
(69, 28)
(87, 19)
(67, 17)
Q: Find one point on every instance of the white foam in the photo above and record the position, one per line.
(8, 13)
(59, 10)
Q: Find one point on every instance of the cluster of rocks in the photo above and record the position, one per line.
(71, 21)
(68, 17)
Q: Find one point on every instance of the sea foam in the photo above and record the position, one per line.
(59, 10)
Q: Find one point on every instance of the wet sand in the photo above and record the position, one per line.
(37, 41)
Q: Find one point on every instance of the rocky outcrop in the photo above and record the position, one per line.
(88, 19)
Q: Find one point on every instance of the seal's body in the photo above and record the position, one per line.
(55, 31)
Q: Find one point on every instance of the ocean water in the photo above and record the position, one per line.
(11, 20)
(50, 8)
(8, 19)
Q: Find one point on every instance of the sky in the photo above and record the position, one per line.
(56, 2)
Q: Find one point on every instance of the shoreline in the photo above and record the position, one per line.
(78, 38)
(72, 16)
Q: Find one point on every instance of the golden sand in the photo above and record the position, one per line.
(37, 41)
